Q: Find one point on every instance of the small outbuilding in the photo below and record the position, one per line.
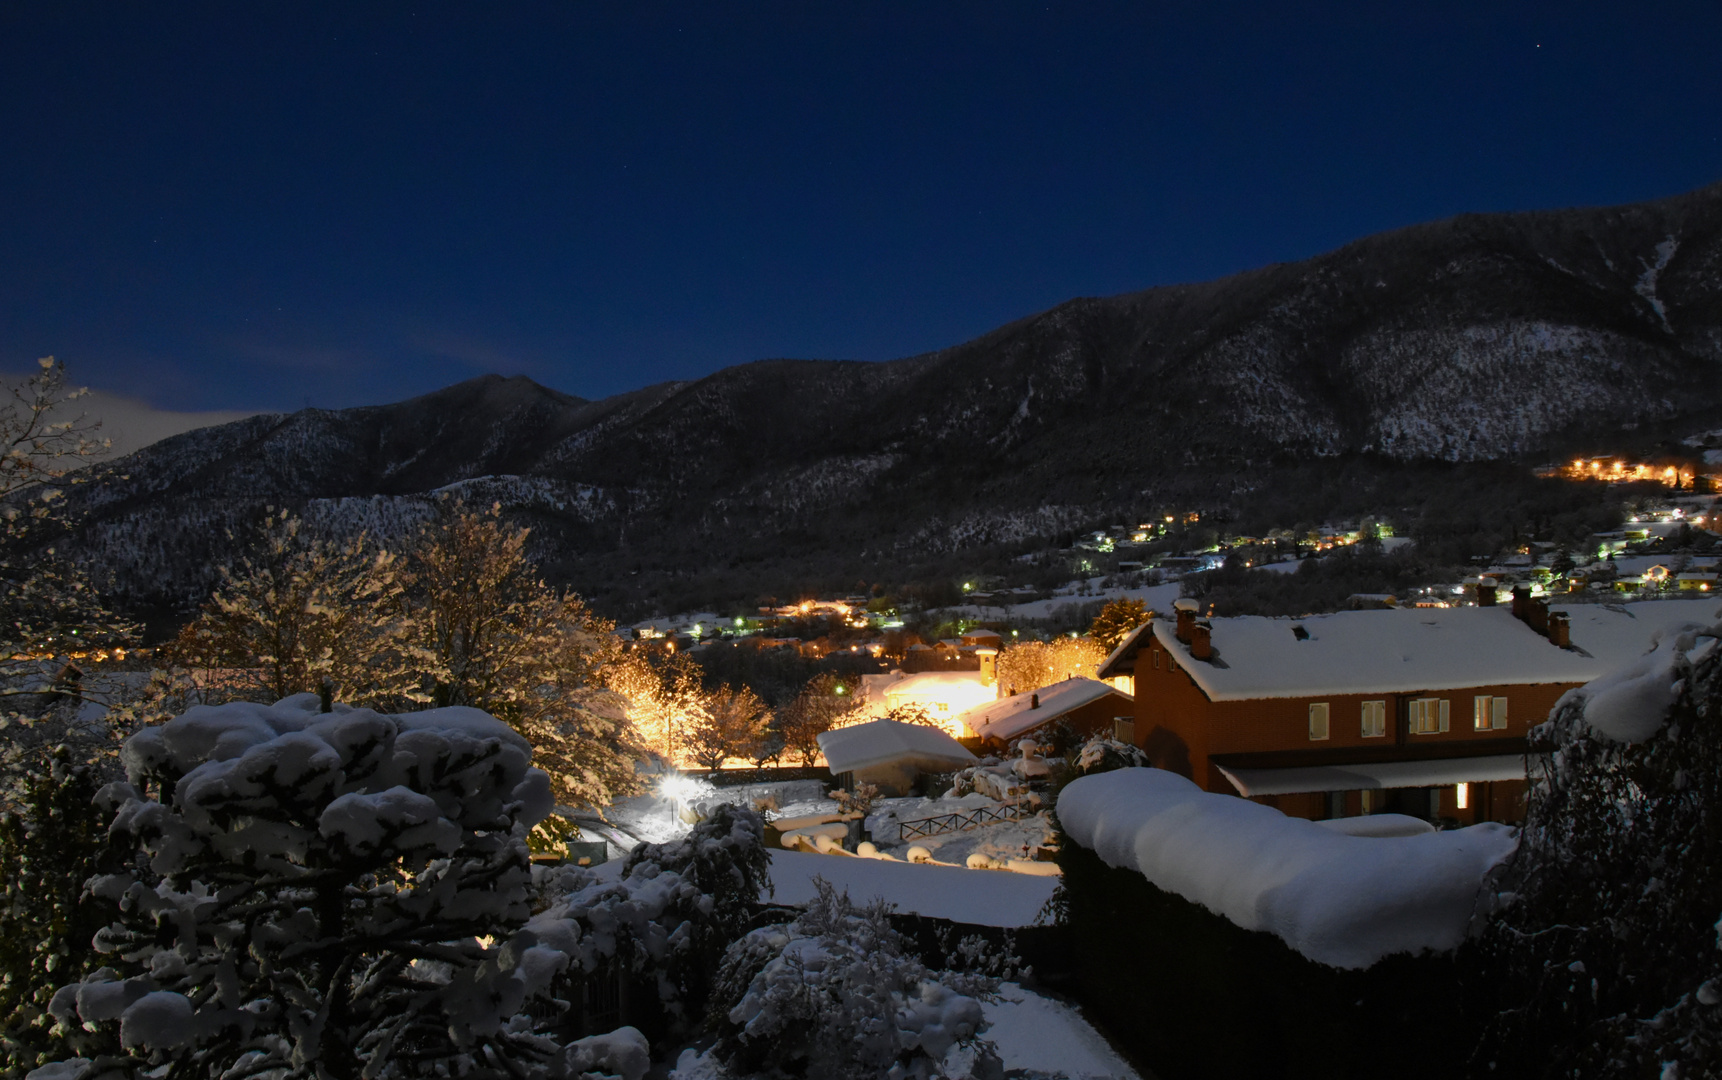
(890, 755)
(1089, 706)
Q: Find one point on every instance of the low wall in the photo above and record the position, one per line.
(1192, 995)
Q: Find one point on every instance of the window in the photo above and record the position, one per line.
(1318, 720)
(1490, 712)
(1428, 715)
(1124, 729)
(1156, 658)
(1374, 719)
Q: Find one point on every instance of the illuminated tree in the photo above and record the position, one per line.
(729, 723)
(1116, 620)
(482, 630)
(1030, 665)
(826, 702)
(663, 696)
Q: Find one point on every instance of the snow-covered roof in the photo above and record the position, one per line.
(1347, 901)
(1408, 649)
(1009, 717)
(880, 741)
(1115, 662)
(1435, 772)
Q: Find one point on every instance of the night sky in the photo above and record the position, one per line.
(269, 205)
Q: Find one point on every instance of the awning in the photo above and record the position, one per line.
(1437, 772)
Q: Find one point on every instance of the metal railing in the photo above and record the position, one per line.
(938, 824)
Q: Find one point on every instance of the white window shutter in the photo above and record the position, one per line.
(1444, 718)
(1499, 719)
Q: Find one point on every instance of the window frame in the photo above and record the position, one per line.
(1380, 719)
(1429, 716)
(1322, 709)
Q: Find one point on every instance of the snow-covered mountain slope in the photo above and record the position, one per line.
(1479, 337)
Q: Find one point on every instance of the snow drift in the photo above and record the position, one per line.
(1345, 901)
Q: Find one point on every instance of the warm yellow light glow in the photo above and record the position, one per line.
(1462, 795)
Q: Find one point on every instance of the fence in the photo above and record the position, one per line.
(938, 824)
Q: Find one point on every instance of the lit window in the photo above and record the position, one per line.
(1318, 720)
(1428, 716)
(1374, 719)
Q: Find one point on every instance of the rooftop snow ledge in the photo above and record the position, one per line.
(1345, 901)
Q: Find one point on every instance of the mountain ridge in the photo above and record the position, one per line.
(1476, 338)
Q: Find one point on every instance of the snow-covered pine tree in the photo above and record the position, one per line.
(1602, 956)
(328, 895)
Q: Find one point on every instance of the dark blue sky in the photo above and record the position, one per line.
(263, 205)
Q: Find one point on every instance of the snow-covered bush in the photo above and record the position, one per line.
(1103, 754)
(673, 912)
(1602, 957)
(838, 994)
(322, 894)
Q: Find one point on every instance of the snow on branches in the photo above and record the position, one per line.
(1601, 956)
(329, 894)
(672, 913)
(839, 994)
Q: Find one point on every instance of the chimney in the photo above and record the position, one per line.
(1186, 610)
(1201, 641)
(1034, 701)
(1521, 601)
(1560, 630)
(1486, 593)
(1537, 614)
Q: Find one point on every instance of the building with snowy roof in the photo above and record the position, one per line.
(1418, 711)
(891, 755)
(1088, 705)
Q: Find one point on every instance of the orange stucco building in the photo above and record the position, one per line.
(1416, 711)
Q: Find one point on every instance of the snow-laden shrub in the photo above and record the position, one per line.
(1602, 956)
(1103, 754)
(673, 912)
(839, 994)
(323, 894)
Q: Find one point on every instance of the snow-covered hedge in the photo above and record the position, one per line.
(1346, 901)
(340, 893)
(1601, 957)
(838, 994)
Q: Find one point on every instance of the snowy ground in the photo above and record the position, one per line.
(980, 897)
(1033, 1035)
(1156, 597)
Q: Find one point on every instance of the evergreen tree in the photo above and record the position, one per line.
(1116, 620)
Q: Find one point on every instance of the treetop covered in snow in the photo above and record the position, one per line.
(877, 742)
(1381, 652)
(1345, 901)
(1631, 704)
